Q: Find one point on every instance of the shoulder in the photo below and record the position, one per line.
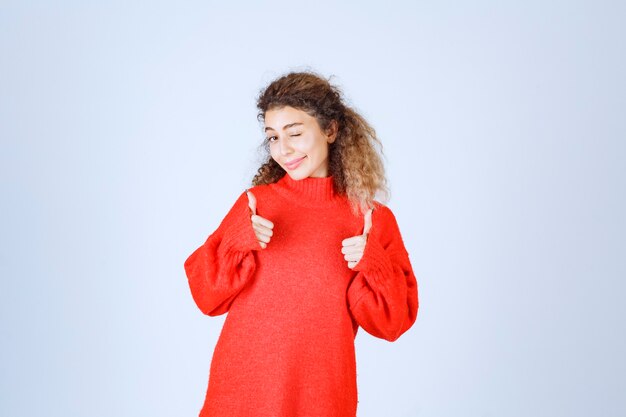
(257, 189)
(242, 199)
(383, 212)
(384, 222)
(261, 194)
(386, 230)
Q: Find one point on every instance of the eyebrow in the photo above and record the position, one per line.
(284, 127)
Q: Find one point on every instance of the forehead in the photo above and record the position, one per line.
(277, 118)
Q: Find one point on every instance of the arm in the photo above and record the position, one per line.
(382, 297)
(219, 269)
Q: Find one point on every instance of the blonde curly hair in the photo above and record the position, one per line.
(354, 162)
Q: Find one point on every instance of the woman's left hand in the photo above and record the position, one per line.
(353, 247)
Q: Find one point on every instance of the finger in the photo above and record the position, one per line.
(263, 245)
(262, 221)
(251, 201)
(367, 222)
(353, 257)
(351, 264)
(262, 238)
(354, 240)
(347, 250)
(262, 229)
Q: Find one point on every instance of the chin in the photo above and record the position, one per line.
(297, 175)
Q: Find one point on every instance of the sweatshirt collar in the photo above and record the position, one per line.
(310, 190)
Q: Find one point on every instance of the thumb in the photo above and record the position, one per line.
(251, 202)
(367, 222)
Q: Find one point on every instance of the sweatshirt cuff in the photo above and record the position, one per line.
(239, 235)
(375, 258)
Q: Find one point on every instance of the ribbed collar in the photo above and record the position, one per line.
(310, 191)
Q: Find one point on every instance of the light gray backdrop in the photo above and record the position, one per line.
(129, 128)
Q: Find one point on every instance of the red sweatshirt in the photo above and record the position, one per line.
(287, 345)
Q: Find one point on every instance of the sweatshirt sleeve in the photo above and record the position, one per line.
(383, 297)
(219, 269)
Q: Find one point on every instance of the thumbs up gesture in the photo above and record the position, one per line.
(353, 247)
(262, 227)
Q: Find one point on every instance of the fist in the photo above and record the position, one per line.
(263, 228)
(353, 247)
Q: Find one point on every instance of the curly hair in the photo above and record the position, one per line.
(354, 162)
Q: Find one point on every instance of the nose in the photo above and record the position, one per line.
(285, 147)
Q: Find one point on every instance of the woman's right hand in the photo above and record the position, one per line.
(262, 227)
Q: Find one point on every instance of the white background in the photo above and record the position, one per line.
(129, 128)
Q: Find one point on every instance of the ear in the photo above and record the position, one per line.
(331, 132)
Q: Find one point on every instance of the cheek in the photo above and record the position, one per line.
(314, 148)
(319, 149)
(274, 152)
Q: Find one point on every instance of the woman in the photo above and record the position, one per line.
(302, 259)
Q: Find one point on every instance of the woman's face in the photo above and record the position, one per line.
(297, 143)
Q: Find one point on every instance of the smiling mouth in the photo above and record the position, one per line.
(294, 163)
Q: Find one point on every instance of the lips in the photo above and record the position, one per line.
(294, 164)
